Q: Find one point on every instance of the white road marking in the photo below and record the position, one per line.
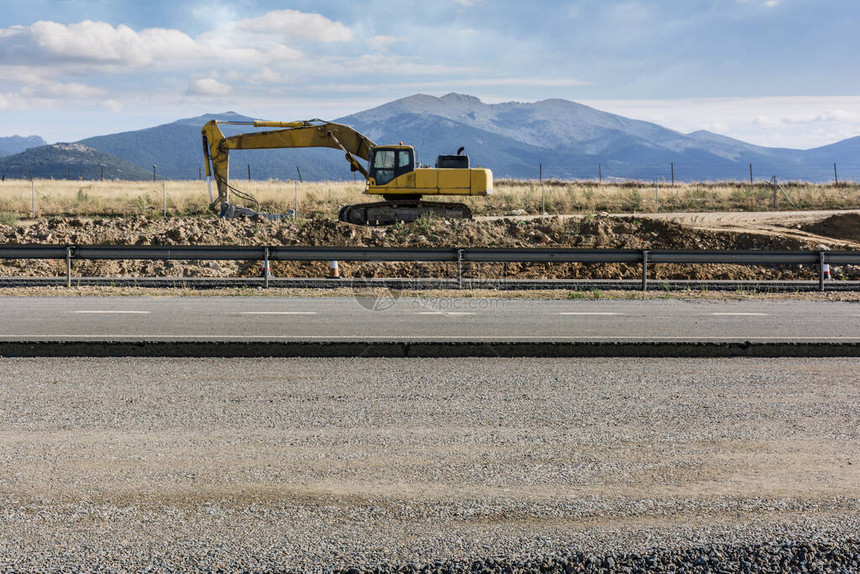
(277, 312)
(589, 313)
(445, 313)
(741, 314)
(112, 312)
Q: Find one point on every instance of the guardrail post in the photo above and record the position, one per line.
(821, 270)
(644, 270)
(459, 269)
(68, 266)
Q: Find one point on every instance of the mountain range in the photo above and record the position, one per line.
(558, 138)
(16, 144)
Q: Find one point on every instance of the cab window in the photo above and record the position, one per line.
(383, 166)
(404, 161)
(391, 163)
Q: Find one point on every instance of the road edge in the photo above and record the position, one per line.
(425, 349)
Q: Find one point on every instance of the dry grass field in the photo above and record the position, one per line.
(19, 199)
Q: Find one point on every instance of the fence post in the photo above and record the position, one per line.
(68, 266)
(542, 200)
(773, 183)
(266, 273)
(644, 270)
(459, 269)
(657, 193)
(821, 271)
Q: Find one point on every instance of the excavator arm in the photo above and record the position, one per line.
(299, 134)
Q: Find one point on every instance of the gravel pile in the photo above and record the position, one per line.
(429, 465)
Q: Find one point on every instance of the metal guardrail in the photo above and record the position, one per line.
(643, 257)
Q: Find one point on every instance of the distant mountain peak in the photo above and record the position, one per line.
(460, 98)
(76, 147)
(10, 145)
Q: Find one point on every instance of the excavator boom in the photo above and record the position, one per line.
(299, 134)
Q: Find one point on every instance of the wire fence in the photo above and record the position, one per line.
(609, 171)
(679, 172)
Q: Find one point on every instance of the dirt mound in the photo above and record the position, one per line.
(841, 226)
(589, 232)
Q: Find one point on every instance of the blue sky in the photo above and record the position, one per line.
(772, 72)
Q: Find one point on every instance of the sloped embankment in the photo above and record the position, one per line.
(591, 232)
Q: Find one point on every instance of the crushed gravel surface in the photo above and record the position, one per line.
(432, 465)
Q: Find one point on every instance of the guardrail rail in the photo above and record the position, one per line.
(458, 255)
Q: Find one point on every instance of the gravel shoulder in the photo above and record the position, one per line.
(314, 464)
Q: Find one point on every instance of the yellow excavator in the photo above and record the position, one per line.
(392, 171)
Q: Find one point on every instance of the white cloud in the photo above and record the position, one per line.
(43, 92)
(90, 45)
(537, 82)
(284, 53)
(834, 115)
(383, 42)
(208, 87)
(113, 105)
(101, 42)
(73, 90)
(22, 75)
(267, 76)
(290, 24)
(764, 3)
(793, 122)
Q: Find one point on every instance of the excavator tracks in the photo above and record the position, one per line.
(390, 212)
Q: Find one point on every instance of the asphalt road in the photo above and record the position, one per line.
(262, 465)
(424, 319)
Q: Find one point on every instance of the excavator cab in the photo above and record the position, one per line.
(389, 162)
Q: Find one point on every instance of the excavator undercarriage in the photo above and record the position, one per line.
(399, 210)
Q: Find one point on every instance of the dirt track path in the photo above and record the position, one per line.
(772, 223)
(785, 223)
